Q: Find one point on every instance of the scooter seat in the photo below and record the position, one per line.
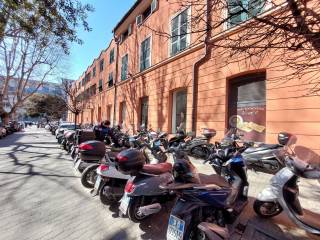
(157, 169)
(262, 147)
(310, 218)
(213, 179)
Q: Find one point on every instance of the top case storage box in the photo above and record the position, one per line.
(130, 161)
(84, 135)
(69, 135)
(92, 150)
(283, 138)
(209, 133)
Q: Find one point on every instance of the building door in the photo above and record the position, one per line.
(99, 114)
(123, 110)
(144, 111)
(179, 110)
(247, 105)
(91, 115)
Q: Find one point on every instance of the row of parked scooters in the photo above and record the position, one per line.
(135, 171)
(11, 127)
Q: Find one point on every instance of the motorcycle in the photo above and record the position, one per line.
(282, 193)
(207, 201)
(262, 159)
(198, 147)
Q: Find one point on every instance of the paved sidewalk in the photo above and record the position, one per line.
(42, 198)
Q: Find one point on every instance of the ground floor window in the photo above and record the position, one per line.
(144, 111)
(99, 114)
(179, 110)
(247, 105)
(123, 110)
(109, 109)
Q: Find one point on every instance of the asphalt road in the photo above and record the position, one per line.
(42, 198)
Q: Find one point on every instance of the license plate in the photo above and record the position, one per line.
(175, 229)
(78, 164)
(125, 200)
(97, 183)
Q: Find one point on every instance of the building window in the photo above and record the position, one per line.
(144, 111)
(242, 10)
(109, 109)
(147, 12)
(110, 80)
(94, 72)
(145, 52)
(179, 110)
(91, 91)
(100, 85)
(87, 77)
(111, 56)
(179, 32)
(124, 67)
(101, 65)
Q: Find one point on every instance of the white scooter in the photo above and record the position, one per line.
(282, 194)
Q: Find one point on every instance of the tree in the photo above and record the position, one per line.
(34, 36)
(286, 33)
(59, 18)
(50, 107)
(22, 61)
(75, 103)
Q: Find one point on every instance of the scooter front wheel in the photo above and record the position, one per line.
(267, 209)
(133, 210)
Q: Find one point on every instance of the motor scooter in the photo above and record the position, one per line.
(110, 183)
(142, 194)
(282, 193)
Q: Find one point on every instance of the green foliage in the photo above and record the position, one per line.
(49, 106)
(58, 18)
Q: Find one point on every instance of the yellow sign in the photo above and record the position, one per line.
(237, 121)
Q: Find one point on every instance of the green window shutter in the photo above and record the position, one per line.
(124, 67)
(145, 54)
(256, 7)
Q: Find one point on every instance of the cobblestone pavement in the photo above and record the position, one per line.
(42, 198)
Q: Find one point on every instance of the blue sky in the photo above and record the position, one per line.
(106, 15)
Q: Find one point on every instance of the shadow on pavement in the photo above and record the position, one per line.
(10, 140)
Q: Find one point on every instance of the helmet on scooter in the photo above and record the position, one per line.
(184, 172)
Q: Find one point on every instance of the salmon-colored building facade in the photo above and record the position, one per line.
(146, 77)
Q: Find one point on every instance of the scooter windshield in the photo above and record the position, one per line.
(303, 159)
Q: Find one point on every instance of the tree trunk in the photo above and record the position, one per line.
(75, 120)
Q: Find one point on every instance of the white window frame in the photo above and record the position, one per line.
(139, 56)
(188, 39)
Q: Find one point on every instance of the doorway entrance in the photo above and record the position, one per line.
(247, 105)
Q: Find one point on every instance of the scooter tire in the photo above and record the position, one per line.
(204, 152)
(107, 199)
(258, 205)
(133, 207)
(87, 175)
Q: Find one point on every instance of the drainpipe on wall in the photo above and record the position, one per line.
(115, 82)
(195, 69)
